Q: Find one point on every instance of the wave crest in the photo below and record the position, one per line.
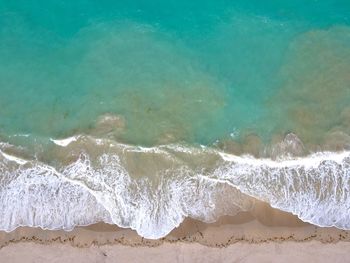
(152, 190)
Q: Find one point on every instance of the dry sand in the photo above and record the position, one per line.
(262, 235)
(288, 251)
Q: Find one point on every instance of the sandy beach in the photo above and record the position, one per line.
(263, 235)
(174, 131)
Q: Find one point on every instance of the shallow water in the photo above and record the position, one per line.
(160, 99)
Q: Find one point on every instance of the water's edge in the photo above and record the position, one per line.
(152, 190)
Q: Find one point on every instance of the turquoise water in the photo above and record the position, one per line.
(194, 72)
(142, 113)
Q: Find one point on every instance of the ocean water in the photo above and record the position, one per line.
(142, 113)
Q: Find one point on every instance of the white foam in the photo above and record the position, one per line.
(312, 160)
(152, 212)
(316, 188)
(13, 158)
(64, 142)
(20, 135)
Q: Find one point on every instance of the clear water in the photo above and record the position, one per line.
(193, 72)
(235, 76)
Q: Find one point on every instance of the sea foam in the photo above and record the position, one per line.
(171, 183)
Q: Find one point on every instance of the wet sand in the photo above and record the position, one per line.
(265, 234)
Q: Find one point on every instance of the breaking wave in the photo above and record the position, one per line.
(153, 189)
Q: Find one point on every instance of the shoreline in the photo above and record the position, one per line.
(274, 236)
(262, 225)
(233, 181)
(260, 234)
